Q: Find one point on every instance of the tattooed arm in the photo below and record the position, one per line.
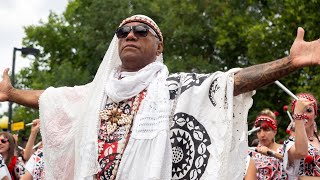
(256, 76)
(302, 54)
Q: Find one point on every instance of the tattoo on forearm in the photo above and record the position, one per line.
(256, 76)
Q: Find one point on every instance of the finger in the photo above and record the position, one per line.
(300, 34)
(304, 100)
(5, 74)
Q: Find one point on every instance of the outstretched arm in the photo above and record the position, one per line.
(302, 54)
(24, 97)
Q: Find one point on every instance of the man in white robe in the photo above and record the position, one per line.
(188, 126)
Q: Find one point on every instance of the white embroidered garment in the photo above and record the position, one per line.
(208, 132)
(83, 125)
(149, 143)
(214, 140)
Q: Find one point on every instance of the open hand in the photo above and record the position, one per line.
(5, 86)
(304, 53)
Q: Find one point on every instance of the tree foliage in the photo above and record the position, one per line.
(200, 36)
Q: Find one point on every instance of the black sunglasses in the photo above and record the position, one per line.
(138, 30)
(4, 140)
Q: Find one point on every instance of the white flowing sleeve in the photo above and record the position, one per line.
(58, 111)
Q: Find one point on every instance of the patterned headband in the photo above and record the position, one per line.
(306, 96)
(267, 119)
(146, 20)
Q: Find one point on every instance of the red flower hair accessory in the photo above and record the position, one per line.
(268, 120)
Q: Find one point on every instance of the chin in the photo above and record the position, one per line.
(129, 56)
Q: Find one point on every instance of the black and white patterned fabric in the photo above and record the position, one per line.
(208, 127)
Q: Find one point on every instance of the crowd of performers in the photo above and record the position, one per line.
(297, 158)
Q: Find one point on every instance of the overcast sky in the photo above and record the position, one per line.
(15, 14)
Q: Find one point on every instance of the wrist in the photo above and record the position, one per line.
(33, 134)
(270, 153)
(11, 94)
(299, 116)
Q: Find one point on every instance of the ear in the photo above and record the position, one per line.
(159, 48)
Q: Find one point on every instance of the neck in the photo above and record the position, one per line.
(272, 146)
(133, 67)
(124, 69)
(310, 131)
(4, 155)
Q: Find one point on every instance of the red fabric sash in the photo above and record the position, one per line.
(11, 167)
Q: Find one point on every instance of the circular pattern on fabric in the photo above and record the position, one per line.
(189, 140)
(214, 87)
(177, 154)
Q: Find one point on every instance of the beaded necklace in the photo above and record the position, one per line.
(115, 118)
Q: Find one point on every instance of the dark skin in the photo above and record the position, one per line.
(302, 54)
(136, 52)
(256, 76)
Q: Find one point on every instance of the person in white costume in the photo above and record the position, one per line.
(4, 172)
(134, 121)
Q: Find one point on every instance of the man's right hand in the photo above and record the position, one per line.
(5, 86)
(27, 98)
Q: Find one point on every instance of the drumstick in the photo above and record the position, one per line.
(29, 124)
(254, 129)
(39, 143)
(286, 90)
(285, 108)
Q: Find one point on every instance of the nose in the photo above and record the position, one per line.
(131, 35)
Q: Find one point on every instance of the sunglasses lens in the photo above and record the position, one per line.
(140, 30)
(123, 31)
(4, 140)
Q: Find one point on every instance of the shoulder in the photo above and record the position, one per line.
(2, 162)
